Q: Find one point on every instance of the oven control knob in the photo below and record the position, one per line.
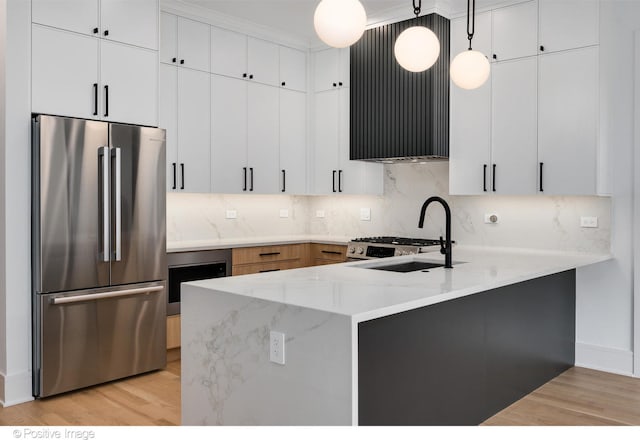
(361, 250)
(352, 250)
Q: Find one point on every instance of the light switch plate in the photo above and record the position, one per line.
(284, 213)
(276, 347)
(320, 213)
(588, 222)
(232, 213)
(365, 214)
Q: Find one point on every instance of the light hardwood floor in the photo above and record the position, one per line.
(578, 397)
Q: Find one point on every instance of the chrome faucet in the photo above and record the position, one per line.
(445, 247)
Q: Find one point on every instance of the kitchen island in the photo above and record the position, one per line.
(365, 346)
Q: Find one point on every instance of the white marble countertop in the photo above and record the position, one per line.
(227, 243)
(363, 294)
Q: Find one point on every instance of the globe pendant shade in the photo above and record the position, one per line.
(340, 23)
(470, 69)
(417, 49)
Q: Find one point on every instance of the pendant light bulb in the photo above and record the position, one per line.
(340, 23)
(417, 49)
(470, 69)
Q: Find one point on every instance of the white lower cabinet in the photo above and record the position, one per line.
(293, 142)
(568, 121)
(85, 77)
(185, 114)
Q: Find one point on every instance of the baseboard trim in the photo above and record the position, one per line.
(610, 360)
(15, 388)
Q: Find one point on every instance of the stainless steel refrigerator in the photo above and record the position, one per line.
(99, 252)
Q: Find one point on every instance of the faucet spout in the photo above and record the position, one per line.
(447, 248)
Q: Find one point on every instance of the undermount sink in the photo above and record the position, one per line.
(410, 266)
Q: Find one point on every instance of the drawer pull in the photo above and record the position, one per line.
(269, 270)
(332, 252)
(269, 254)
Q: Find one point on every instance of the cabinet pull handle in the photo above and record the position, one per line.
(541, 48)
(95, 99)
(284, 180)
(251, 179)
(484, 178)
(182, 172)
(340, 181)
(181, 61)
(174, 60)
(106, 101)
(332, 252)
(495, 57)
(541, 187)
(334, 180)
(106, 33)
(269, 254)
(250, 76)
(269, 270)
(244, 75)
(494, 177)
(244, 170)
(340, 84)
(335, 85)
(96, 30)
(284, 83)
(174, 175)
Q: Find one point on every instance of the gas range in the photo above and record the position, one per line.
(381, 247)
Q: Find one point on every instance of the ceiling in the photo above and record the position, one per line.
(295, 17)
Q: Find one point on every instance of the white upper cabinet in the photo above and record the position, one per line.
(293, 142)
(125, 21)
(568, 24)
(184, 42)
(568, 121)
(84, 18)
(228, 53)
(331, 69)
(263, 62)
(481, 36)
(131, 22)
(293, 69)
(515, 31)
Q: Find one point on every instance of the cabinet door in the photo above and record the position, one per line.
(130, 22)
(351, 173)
(228, 53)
(194, 121)
(326, 142)
(293, 69)
(481, 37)
(344, 67)
(515, 31)
(264, 61)
(263, 139)
(168, 119)
(326, 69)
(131, 75)
(168, 38)
(568, 121)
(64, 73)
(568, 24)
(514, 126)
(293, 142)
(56, 13)
(228, 134)
(193, 44)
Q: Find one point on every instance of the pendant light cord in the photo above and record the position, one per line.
(417, 8)
(471, 20)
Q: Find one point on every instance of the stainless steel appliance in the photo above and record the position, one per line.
(99, 252)
(194, 266)
(381, 247)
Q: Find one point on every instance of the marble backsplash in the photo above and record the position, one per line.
(541, 222)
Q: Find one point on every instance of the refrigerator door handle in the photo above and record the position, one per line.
(104, 295)
(116, 152)
(106, 203)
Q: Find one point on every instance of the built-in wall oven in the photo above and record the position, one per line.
(193, 266)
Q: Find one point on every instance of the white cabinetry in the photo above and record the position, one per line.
(515, 31)
(185, 114)
(69, 78)
(332, 69)
(125, 21)
(568, 24)
(184, 42)
(293, 142)
(293, 69)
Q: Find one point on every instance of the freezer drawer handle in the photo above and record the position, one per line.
(95, 296)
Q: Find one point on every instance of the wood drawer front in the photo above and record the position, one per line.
(333, 252)
(321, 262)
(246, 269)
(173, 331)
(264, 254)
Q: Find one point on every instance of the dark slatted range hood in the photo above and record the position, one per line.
(397, 115)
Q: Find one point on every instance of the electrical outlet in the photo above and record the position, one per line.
(276, 347)
(491, 219)
(232, 213)
(320, 213)
(588, 222)
(284, 213)
(365, 214)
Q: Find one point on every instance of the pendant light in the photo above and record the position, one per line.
(340, 23)
(470, 69)
(417, 48)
